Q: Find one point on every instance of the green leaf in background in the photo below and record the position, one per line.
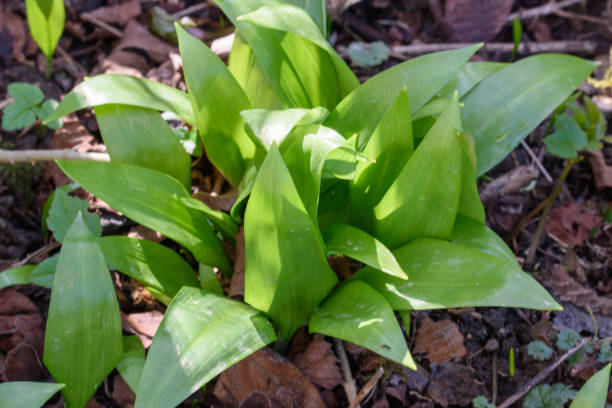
(152, 199)
(28, 94)
(217, 100)
(286, 273)
(125, 90)
(469, 201)
(19, 275)
(220, 220)
(390, 147)
(201, 335)
(357, 313)
(444, 275)
(361, 111)
(26, 394)
(17, 115)
(162, 271)
(63, 211)
(45, 110)
(368, 55)
(139, 136)
(83, 335)
(68, 188)
(209, 281)
(499, 116)
(46, 19)
(423, 199)
(44, 274)
(131, 365)
(567, 140)
(354, 243)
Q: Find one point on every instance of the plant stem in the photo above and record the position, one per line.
(23, 156)
(49, 68)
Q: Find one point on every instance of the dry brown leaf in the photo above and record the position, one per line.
(601, 171)
(476, 20)
(144, 325)
(571, 224)
(12, 34)
(122, 394)
(584, 369)
(509, 183)
(567, 289)
(124, 62)
(236, 288)
(454, 384)
(266, 379)
(138, 36)
(319, 363)
(118, 14)
(441, 341)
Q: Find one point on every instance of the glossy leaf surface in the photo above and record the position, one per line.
(594, 392)
(83, 318)
(444, 275)
(131, 365)
(152, 199)
(357, 313)
(316, 10)
(26, 394)
(19, 275)
(499, 116)
(46, 19)
(126, 90)
(201, 335)
(287, 274)
(469, 200)
(354, 243)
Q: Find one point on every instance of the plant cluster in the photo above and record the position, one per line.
(382, 172)
(28, 105)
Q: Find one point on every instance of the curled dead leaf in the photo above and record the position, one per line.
(319, 363)
(571, 224)
(454, 384)
(144, 325)
(440, 341)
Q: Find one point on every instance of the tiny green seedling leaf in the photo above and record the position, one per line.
(567, 338)
(30, 95)
(368, 55)
(539, 350)
(25, 394)
(46, 19)
(594, 392)
(567, 140)
(605, 352)
(482, 402)
(63, 211)
(545, 396)
(517, 33)
(17, 115)
(45, 110)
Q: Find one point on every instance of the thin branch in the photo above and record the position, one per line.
(112, 30)
(6, 102)
(349, 382)
(25, 156)
(189, 10)
(546, 9)
(542, 375)
(367, 388)
(537, 161)
(37, 254)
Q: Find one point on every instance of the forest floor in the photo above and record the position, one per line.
(572, 256)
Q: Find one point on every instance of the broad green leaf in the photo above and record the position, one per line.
(499, 115)
(44, 274)
(162, 271)
(46, 19)
(201, 335)
(357, 313)
(423, 199)
(63, 211)
(469, 201)
(209, 281)
(68, 188)
(287, 274)
(567, 140)
(217, 100)
(354, 243)
(25, 93)
(220, 220)
(470, 75)
(368, 55)
(244, 190)
(125, 90)
(316, 10)
(334, 205)
(16, 276)
(139, 136)
(390, 147)
(17, 115)
(473, 234)
(152, 199)
(444, 275)
(594, 392)
(26, 394)
(361, 111)
(45, 110)
(83, 335)
(131, 365)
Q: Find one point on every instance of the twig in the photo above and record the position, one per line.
(36, 254)
(21, 156)
(112, 30)
(542, 375)
(367, 388)
(71, 61)
(494, 378)
(349, 382)
(189, 10)
(576, 16)
(6, 102)
(543, 10)
(537, 161)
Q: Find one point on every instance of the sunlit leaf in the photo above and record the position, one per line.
(220, 220)
(19, 275)
(26, 394)
(46, 19)
(44, 274)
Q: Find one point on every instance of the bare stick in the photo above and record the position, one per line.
(6, 102)
(542, 10)
(367, 388)
(112, 30)
(189, 10)
(537, 161)
(37, 254)
(349, 382)
(542, 375)
(24, 156)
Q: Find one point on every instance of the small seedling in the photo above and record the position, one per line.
(511, 362)
(546, 396)
(46, 19)
(605, 352)
(567, 338)
(539, 350)
(368, 55)
(27, 107)
(482, 402)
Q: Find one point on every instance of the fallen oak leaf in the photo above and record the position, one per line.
(571, 224)
(441, 341)
(319, 364)
(119, 14)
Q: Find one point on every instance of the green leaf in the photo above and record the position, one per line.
(17, 115)
(567, 140)
(539, 350)
(220, 220)
(201, 335)
(162, 271)
(217, 100)
(444, 275)
(45, 110)
(46, 19)
(517, 33)
(287, 274)
(16, 276)
(133, 361)
(354, 243)
(499, 116)
(83, 318)
(389, 148)
(209, 281)
(64, 210)
(139, 136)
(26, 394)
(482, 402)
(68, 188)
(152, 199)
(44, 274)
(126, 90)
(545, 396)
(357, 313)
(469, 201)
(190, 140)
(368, 55)
(470, 75)
(427, 188)
(567, 338)
(25, 93)
(605, 352)
(316, 10)
(361, 111)
(593, 393)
